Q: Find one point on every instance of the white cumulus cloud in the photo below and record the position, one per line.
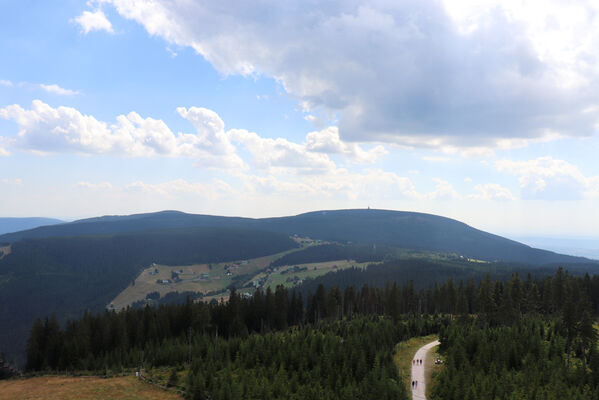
(45, 129)
(443, 191)
(328, 141)
(551, 179)
(492, 191)
(90, 21)
(444, 75)
(276, 154)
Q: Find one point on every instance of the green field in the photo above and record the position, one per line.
(291, 275)
(203, 278)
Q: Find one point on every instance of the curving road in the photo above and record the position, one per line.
(419, 390)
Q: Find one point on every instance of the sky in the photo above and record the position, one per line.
(486, 112)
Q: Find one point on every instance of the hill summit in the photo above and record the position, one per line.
(409, 230)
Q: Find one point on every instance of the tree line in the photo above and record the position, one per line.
(337, 343)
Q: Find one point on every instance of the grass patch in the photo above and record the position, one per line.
(81, 388)
(200, 278)
(431, 369)
(404, 353)
(285, 275)
(4, 251)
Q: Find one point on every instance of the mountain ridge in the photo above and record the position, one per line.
(405, 229)
(16, 224)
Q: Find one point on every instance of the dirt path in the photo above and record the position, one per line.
(418, 363)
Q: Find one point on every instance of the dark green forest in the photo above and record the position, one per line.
(69, 275)
(517, 338)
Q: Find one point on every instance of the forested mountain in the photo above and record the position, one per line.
(18, 224)
(69, 268)
(402, 229)
(68, 275)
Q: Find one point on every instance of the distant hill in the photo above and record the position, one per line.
(19, 224)
(403, 229)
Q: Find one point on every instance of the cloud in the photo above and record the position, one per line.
(277, 154)
(58, 90)
(176, 188)
(492, 191)
(12, 182)
(547, 178)
(335, 183)
(442, 75)
(443, 191)
(280, 155)
(90, 21)
(95, 186)
(214, 189)
(4, 142)
(45, 129)
(328, 141)
(6, 83)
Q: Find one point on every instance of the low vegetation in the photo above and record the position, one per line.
(82, 388)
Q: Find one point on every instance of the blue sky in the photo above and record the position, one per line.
(486, 112)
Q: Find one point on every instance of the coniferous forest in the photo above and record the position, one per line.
(529, 339)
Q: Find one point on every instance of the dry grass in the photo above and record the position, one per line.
(84, 388)
(404, 353)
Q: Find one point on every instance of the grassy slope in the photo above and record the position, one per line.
(404, 352)
(81, 388)
(146, 282)
(278, 277)
(253, 269)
